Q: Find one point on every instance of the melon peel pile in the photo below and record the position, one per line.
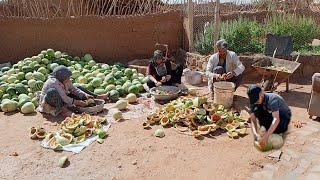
(197, 117)
(74, 130)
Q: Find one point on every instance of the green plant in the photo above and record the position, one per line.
(204, 40)
(302, 29)
(242, 35)
(308, 49)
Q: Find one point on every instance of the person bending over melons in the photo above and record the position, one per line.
(60, 96)
(161, 71)
(272, 112)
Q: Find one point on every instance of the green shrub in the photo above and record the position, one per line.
(242, 35)
(247, 36)
(308, 49)
(302, 29)
(204, 40)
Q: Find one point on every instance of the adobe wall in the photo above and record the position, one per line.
(108, 39)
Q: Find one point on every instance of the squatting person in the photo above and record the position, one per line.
(224, 65)
(59, 96)
(161, 71)
(271, 110)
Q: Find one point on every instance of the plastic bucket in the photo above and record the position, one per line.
(223, 93)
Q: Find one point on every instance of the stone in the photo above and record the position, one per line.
(13, 154)
(134, 162)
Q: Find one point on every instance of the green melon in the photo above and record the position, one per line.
(45, 61)
(114, 95)
(27, 69)
(20, 76)
(109, 79)
(134, 89)
(24, 82)
(11, 79)
(96, 82)
(29, 76)
(32, 83)
(23, 101)
(110, 87)
(43, 70)
(53, 65)
(87, 57)
(28, 108)
(21, 89)
(39, 76)
(11, 91)
(38, 86)
(82, 80)
(128, 72)
(99, 91)
(4, 78)
(121, 91)
(126, 86)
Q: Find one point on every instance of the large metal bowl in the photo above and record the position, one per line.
(173, 93)
(94, 109)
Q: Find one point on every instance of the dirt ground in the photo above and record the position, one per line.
(130, 152)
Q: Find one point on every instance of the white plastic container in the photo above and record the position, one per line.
(194, 77)
(223, 93)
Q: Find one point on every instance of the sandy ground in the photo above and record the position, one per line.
(131, 152)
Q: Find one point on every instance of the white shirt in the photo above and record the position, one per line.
(232, 64)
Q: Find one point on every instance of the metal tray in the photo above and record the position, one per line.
(94, 109)
(174, 93)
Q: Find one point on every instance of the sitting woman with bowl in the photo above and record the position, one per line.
(60, 96)
(162, 72)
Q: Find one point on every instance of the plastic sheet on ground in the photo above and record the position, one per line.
(77, 148)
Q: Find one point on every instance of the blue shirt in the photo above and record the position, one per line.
(273, 102)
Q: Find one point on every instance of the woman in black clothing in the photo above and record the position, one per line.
(161, 72)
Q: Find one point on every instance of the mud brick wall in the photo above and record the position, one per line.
(108, 39)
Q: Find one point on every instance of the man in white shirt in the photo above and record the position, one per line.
(224, 65)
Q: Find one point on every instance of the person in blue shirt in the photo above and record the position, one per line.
(271, 110)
